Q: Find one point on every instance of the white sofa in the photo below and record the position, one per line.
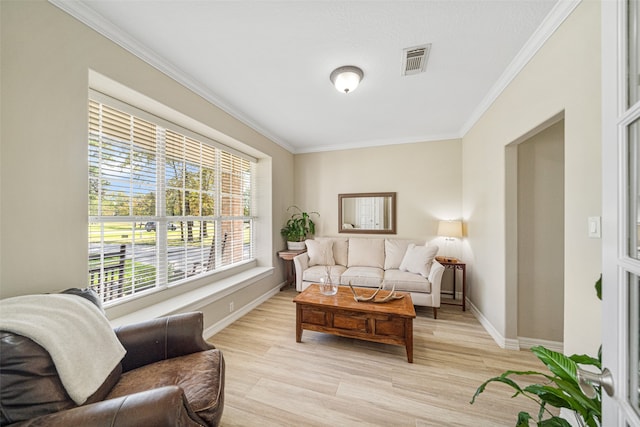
(368, 262)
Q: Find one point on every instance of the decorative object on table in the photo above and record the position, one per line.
(320, 253)
(298, 227)
(327, 285)
(372, 298)
(446, 259)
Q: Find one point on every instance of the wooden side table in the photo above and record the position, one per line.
(455, 266)
(289, 270)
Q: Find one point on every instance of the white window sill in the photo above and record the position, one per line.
(193, 300)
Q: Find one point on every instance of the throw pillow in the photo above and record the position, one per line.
(340, 248)
(394, 250)
(320, 252)
(418, 259)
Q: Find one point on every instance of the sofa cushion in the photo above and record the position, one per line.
(394, 250)
(366, 252)
(340, 248)
(362, 276)
(320, 252)
(405, 281)
(200, 375)
(317, 272)
(418, 259)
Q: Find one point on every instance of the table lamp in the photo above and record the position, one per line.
(450, 230)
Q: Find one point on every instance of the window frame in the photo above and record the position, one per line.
(162, 219)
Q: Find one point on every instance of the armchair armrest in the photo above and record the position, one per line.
(301, 263)
(160, 407)
(435, 277)
(162, 338)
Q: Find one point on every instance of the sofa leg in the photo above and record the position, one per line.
(435, 313)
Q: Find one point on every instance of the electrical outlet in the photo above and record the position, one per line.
(231, 308)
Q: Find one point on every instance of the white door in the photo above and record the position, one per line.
(621, 210)
(370, 211)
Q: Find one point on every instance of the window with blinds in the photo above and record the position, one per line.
(164, 205)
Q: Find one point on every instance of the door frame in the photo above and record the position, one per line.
(615, 263)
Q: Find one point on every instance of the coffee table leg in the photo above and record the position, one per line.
(408, 335)
(298, 323)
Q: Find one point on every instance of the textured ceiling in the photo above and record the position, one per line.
(268, 62)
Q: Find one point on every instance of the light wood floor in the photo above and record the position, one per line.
(331, 381)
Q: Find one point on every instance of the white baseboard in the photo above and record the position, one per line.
(506, 343)
(532, 342)
(510, 343)
(232, 317)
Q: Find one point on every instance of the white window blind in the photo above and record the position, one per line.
(164, 206)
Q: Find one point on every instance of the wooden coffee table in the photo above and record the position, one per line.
(340, 314)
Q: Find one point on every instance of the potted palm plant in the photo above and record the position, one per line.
(298, 227)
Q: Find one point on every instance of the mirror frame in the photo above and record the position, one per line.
(392, 230)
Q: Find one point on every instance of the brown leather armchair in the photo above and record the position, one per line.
(170, 376)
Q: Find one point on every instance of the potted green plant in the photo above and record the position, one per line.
(561, 389)
(298, 227)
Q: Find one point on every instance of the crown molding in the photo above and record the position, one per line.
(554, 19)
(375, 143)
(98, 23)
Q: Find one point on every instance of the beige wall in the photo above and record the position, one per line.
(541, 235)
(563, 76)
(46, 58)
(426, 177)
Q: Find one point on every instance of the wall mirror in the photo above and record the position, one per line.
(367, 213)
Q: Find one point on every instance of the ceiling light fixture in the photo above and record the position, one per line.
(347, 78)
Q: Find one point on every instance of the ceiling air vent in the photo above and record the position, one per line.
(414, 59)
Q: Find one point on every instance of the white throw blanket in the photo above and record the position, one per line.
(79, 338)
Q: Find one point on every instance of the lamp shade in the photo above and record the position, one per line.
(450, 228)
(346, 79)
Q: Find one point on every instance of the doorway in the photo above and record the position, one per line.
(535, 221)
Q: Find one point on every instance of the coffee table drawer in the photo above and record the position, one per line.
(350, 322)
(392, 327)
(315, 317)
(338, 320)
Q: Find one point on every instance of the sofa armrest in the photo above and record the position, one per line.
(301, 263)
(160, 407)
(162, 338)
(435, 278)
